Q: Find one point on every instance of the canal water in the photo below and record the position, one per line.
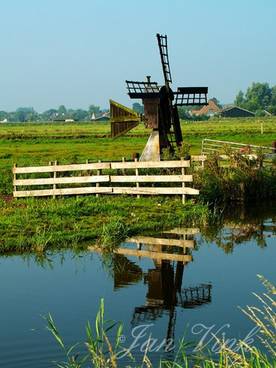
(197, 294)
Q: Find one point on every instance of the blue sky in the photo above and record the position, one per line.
(79, 53)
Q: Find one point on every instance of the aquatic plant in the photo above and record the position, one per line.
(103, 353)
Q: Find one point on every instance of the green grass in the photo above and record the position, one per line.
(216, 127)
(75, 223)
(72, 222)
(38, 143)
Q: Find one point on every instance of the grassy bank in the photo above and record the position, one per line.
(243, 180)
(38, 225)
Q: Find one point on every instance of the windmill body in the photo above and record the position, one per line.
(160, 106)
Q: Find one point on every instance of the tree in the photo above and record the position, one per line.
(49, 115)
(239, 101)
(24, 114)
(94, 109)
(272, 107)
(3, 115)
(183, 113)
(257, 97)
(62, 110)
(216, 101)
(138, 108)
(80, 115)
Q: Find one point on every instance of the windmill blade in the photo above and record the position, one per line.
(163, 49)
(142, 89)
(122, 119)
(188, 96)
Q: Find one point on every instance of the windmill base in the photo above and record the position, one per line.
(152, 150)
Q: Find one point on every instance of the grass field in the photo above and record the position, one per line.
(23, 143)
(69, 222)
(38, 143)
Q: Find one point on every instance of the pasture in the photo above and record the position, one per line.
(38, 143)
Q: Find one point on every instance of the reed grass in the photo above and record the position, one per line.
(102, 352)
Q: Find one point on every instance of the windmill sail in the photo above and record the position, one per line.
(163, 48)
(122, 119)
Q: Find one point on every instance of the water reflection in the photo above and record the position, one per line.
(125, 272)
(233, 233)
(160, 279)
(170, 253)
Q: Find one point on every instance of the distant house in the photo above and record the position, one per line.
(208, 110)
(236, 112)
(4, 121)
(62, 118)
(102, 117)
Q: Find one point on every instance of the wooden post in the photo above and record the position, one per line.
(203, 161)
(55, 175)
(14, 178)
(88, 172)
(137, 174)
(262, 127)
(123, 170)
(183, 182)
(50, 164)
(274, 147)
(99, 172)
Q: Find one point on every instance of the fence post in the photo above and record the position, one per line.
(14, 178)
(183, 182)
(123, 170)
(202, 154)
(99, 172)
(262, 127)
(137, 174)
(54, 176)
(274, 147)
(202, 147)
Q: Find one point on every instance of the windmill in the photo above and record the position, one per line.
(160, 106)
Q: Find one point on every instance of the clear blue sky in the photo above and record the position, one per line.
(78, 53)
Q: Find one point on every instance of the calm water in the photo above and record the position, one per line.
(168, 298)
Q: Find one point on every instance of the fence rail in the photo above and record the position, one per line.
(250, 151)
(104, 178)
(215, 146)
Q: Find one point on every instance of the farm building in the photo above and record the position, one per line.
(102, 117)
(209, 110)
(236, 112)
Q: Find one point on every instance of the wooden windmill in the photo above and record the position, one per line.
(160, 106)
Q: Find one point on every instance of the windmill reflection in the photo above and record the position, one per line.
(170, 254)
(125, 272)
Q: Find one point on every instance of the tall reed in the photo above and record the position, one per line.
(105, 352)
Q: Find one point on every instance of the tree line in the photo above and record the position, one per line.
(259, 98)
(24, 114)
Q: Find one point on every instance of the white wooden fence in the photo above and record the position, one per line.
(136, 178)
(209, 146)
